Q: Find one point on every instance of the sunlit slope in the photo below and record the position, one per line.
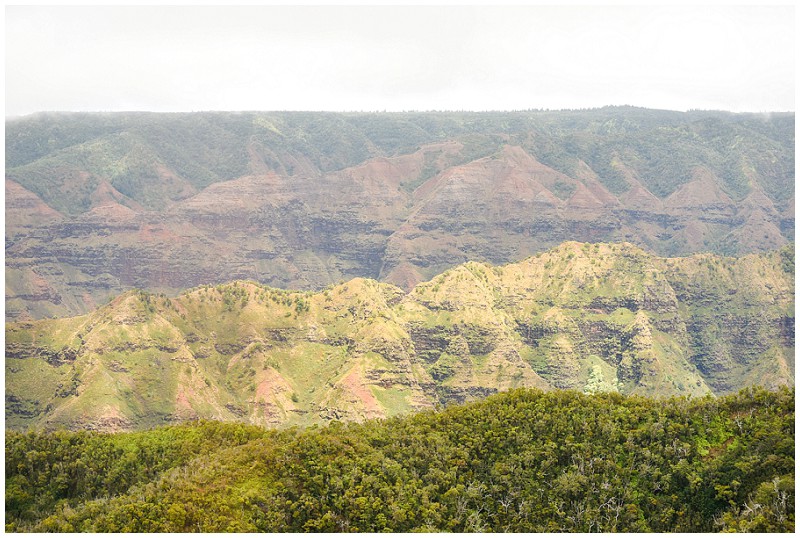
(591, 317)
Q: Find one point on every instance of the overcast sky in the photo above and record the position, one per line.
(398, 58)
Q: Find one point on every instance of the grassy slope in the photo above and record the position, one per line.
(586, 317)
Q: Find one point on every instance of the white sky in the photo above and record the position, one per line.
(398, 58)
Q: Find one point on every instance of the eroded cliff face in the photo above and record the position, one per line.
(304, 201)
(589, 317)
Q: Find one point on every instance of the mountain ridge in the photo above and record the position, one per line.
(591, 317)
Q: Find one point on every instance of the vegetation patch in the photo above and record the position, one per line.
(519, 461)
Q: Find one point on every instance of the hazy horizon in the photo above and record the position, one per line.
(309, 111)
(394, 59)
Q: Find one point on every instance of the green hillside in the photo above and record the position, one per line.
(587, 317)
(521, 461)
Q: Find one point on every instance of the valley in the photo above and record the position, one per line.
(572, 321)
(97, 204)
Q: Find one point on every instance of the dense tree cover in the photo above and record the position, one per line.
(524, 460)
(44, 469)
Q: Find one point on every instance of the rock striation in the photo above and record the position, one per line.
(588, 317)
(98, 204)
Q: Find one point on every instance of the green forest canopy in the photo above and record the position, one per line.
(523, 460)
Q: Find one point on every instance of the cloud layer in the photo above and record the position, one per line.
(397, 58)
